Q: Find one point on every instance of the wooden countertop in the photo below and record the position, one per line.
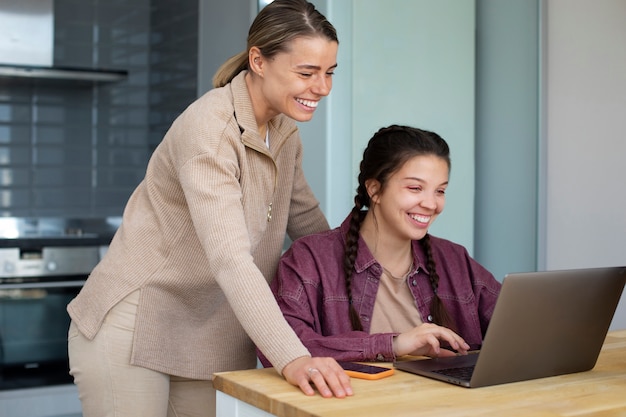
(601, 391)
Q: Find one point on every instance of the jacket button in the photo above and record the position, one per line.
(430, 318)
(380, 357)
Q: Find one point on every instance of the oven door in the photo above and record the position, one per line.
(33, 331)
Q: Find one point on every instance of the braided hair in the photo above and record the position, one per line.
(386, 152)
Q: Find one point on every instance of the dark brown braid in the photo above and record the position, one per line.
(386, 152)
(351, 249)
(437, 309)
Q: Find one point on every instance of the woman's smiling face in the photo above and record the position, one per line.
(413, 197)
(295, 81)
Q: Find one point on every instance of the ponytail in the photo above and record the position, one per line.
(229, 69)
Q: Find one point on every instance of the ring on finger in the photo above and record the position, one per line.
(311, 370)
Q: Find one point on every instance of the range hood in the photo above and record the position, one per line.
(27, 46)
(27, 72)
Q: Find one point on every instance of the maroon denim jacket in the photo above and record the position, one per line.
(311, 292)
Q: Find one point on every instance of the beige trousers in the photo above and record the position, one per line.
(108, 386)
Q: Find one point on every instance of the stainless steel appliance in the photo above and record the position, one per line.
(43, 264)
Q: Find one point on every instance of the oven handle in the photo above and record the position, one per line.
(57, 284)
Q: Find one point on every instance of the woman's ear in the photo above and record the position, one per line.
(255, 61)
(373, 188)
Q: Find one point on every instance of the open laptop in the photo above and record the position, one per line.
(544, 324)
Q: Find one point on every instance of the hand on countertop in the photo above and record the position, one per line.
(325, 373)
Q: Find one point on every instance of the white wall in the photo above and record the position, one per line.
(584, 141)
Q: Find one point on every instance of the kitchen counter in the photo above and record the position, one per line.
(263, 393)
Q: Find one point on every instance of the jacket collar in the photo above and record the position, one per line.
(365, 259)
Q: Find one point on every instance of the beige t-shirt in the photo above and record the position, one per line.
(394, 309)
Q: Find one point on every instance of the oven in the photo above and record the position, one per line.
(43, 265)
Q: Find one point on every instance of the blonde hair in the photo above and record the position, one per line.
(275, 26)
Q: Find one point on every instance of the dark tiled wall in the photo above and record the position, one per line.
(173, 62)
(72, 149)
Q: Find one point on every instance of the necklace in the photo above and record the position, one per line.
(386, 271)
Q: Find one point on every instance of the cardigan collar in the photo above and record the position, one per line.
(280, 127)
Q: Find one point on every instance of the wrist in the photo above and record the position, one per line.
(395, 343)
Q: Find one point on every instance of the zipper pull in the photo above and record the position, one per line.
(269, 213)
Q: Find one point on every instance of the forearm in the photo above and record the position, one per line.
(256, 310)
(350, 346)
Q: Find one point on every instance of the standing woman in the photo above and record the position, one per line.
(183, 289)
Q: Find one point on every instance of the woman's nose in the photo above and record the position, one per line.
(429, 202)
(323, 85)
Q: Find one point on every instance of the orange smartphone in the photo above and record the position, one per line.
(359, 370)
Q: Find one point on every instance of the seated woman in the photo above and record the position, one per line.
(380, 286)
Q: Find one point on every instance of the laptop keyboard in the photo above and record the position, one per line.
(464, 372)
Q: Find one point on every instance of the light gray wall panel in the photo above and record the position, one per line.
(585, 109)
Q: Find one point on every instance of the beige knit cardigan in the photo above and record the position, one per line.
(201, 237)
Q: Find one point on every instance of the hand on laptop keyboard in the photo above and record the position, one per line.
(426, 340)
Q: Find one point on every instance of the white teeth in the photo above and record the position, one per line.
(421, 219)
(308, 103)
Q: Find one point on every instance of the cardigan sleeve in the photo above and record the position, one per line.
(213, 193)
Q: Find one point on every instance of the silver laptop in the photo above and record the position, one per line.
(544, 324)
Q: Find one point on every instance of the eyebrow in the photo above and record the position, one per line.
(314, 67)
(421, 180)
